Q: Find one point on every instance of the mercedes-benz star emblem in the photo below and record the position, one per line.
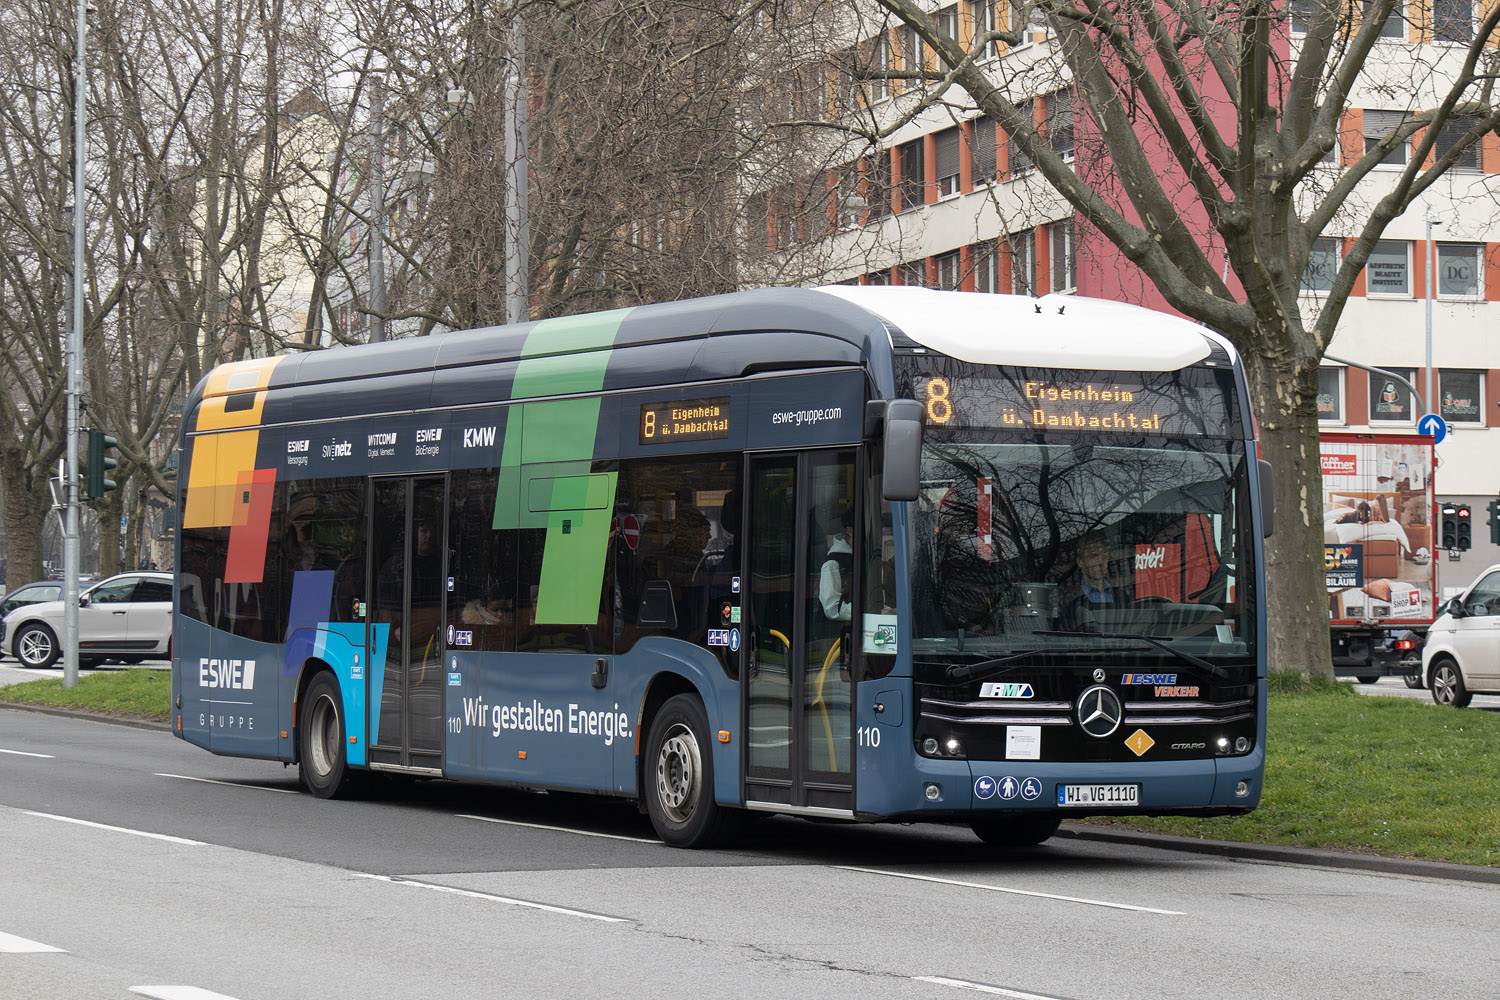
(1099, 711)
(1099, 675)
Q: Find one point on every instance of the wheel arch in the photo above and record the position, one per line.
(311, 668)
(663, 685)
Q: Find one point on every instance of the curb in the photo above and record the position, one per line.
(74, 713)
(1309, 856)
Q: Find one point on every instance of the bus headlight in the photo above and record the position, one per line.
(954, 748)
(1242, 745)
(930, 747)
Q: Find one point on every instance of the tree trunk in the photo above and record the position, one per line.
(25, 516)
(1285, 397)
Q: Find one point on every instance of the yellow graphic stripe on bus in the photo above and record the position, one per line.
(223, 406)
(220, 463)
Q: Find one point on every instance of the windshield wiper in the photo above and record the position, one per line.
(967, 671)
(1185, 657)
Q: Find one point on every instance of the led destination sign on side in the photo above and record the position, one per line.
(685, 420)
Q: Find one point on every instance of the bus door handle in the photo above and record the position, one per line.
(600, 676)
(752, 657)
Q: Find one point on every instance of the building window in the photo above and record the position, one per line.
(1303, 12)
(1331, 395)
(948, 271)
(1448, 137)
(1461, 395)
(913, 273)
(982, 150)
(986, 267)
(1023, 263)
(1390, 400)
(1388, 271)
(1322, 265)
(1395, 25)
(949, 142)
(1459, 266)
(984, 22)
(1060, 123)
(878, 184)
(911, 187)
(1016, 158)
(878, 278)
(880, 63)
(1064, 257)
(1378, 125)
(1026, 20)
(947, 21)
(1453, 21)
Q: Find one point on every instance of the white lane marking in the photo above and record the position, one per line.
(998, 991)
(562, 829)
(178, 993)
(23, 753)
(12, 945)
(470, 893)
(119, 829)
(1014, 892)
(231, 784)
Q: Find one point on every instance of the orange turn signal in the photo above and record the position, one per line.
(723, 736)
(520, 754)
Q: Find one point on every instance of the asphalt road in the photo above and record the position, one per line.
(438, 890)
(1397, 688)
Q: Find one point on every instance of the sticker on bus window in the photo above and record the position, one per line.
(718, 637)
(879, 633)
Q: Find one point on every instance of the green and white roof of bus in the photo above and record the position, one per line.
(1054, 331)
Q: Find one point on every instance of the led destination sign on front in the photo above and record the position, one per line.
(1149, 403)
(685, 420)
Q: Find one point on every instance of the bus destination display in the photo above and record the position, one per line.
(685, 420)
(1063, 404)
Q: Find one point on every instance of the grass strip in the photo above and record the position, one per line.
(133, 693)
(1373, 775)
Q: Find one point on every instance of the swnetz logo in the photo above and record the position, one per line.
(236, 675)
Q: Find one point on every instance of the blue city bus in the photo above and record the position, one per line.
(849, 553)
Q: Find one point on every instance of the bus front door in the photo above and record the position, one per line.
(797, 690)
(406, 593)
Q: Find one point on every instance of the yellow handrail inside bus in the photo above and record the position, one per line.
(821, 702)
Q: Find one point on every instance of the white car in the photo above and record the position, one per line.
(127, 618)
(1462, 654)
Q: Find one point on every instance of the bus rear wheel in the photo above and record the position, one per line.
(679, 779)
(1015, 831)
(321, 742)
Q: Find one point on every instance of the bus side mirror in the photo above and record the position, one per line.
(903, 450)
(1267, 499)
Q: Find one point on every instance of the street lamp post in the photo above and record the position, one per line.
(74, 377)
(1432, 220)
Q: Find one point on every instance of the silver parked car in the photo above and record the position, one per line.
(126, 617)
(1462, 652)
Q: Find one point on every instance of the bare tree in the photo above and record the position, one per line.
(1204, 136)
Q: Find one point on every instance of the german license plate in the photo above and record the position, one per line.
(1099, 796)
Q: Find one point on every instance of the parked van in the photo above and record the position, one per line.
(1462, 655)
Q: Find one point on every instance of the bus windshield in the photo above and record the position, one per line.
(1083, 543)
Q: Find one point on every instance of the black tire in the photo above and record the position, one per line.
(1413, 681)
(36, 646)
(1368, 678)
(90, 662)
(1015, 831)
(1448, 686)
(679, 777)
(321, 742)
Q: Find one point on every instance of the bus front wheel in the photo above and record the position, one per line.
(321, 742)
(1015, 831)
(679, 779)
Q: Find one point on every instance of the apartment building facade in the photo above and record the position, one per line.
(949, 201)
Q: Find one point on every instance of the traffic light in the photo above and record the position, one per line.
(1495, 522)
(99, 464)
(1450, 526)
(1465, 527)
